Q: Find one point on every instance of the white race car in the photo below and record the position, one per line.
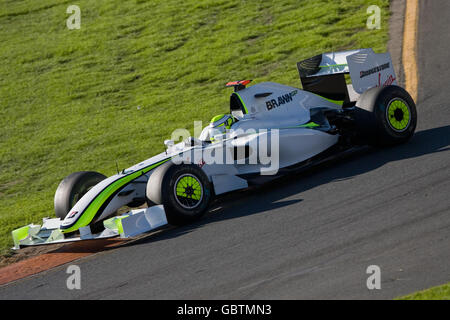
(271, 130)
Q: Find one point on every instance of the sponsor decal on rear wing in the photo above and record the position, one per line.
(369, 69)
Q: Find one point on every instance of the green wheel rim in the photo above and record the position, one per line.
(188, 191)
(398, 115)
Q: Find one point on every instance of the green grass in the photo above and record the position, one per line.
(436, 293)
(74, 100)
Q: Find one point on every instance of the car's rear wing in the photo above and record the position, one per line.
(324, 74)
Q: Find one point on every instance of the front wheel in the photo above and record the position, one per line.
(184, 190)
(72, 189)
(386, 116)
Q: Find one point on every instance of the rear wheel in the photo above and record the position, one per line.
(385, 116)
(184, 190)
(72, 189)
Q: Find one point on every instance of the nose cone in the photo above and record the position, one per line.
(84, 211)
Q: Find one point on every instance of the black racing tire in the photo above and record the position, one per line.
(72, 188)
(385, 116)
(184, 190)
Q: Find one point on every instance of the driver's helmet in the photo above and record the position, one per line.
(218, 125)
(222, 120)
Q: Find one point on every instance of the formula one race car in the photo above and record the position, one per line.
(271, 130)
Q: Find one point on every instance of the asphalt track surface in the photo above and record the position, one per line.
(309, 236)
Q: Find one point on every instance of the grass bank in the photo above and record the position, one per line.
(436, 293)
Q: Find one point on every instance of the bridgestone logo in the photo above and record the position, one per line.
(374, 70)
